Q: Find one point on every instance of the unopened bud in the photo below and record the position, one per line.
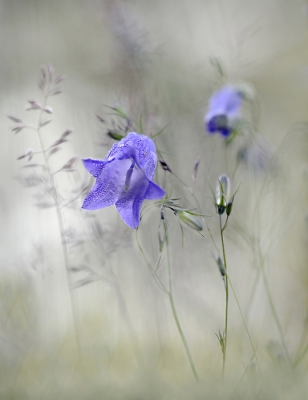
(190, 220)
(165, 166)
(115, 136)
(220, 208)
(229, 208)
(222, 193)
(223, 187)
(221, 266)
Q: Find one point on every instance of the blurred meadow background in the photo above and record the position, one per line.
(80, 313)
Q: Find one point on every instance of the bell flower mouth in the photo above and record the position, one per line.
(129, 175)
(224, 111)
(219, 123)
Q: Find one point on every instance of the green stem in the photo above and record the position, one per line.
(176, 318)
(245, 324)
(299, 358)
(300, 351)
(227, 299)
(151, 269)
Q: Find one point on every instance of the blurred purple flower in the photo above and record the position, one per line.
(124, 178)
(224, 110)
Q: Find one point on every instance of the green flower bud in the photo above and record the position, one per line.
(163, 214)
(223, 188)
(229, 208)
(220, 209)
(222, 193)
(115, 136)
(190, 220)
(221, 266)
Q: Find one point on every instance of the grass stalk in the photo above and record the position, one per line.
(175, 315)
(224, 349)
(59, 219)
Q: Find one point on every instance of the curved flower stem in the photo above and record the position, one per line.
(175, 315)
(152, 270)
(169, 293)
(60, 220)
(224, 349)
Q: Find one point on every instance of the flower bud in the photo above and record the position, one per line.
(115, 136)
(222, 193)
(221, 266)
(220, 208)
(190, 220)
(223, 187)
(224, 111)
(163, 216)
(165, 166)
(229, 208)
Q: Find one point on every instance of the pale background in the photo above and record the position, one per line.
(154, 56)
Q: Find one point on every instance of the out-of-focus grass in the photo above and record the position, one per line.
(103, 368)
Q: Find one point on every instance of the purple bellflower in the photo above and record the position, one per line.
(124, 178)
(224, 110)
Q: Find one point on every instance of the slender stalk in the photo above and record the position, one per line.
(245, 324)
(227, 299)
(261, 268)
(169, 293)
(157, 280)
(121, 299)
(268, 292)
(60, 220)
(175, 315)
(300, 351)
(299, 358)
(272, 306)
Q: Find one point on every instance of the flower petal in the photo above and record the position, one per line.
(224, 110)
(227, 101)
(154, 192)
(139, 148)
(130, 201)
(95, 167)
(129, 210)
(108, 185)
(100, 197)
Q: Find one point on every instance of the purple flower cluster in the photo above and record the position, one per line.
(124, 178)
